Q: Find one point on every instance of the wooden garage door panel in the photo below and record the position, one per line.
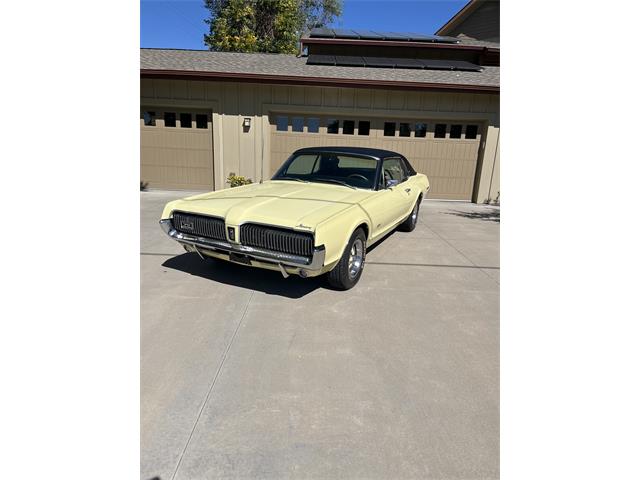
(450, 163)
(175, 157)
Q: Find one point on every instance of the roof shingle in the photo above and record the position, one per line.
(291, 66)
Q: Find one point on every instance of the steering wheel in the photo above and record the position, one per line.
(357, 175)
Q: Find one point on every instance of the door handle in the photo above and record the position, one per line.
(407, 190)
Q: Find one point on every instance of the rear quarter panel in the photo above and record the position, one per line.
(421, 182)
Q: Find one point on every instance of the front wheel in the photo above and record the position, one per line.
(349, 269)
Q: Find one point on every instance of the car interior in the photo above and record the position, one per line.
(355, 171)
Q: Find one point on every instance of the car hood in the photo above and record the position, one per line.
(276, 202)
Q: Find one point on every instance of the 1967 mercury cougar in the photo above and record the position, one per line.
(317, 215)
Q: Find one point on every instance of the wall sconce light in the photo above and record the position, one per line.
(246, 122)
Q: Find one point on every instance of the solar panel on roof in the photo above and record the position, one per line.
(393, 35)
(385, 62)
(407, 63)
(369, 35)
(437, 64)
(321, 32)
(419, 37)
(342, 33)
(379, 62)
(349, 61)
(450, 65)
(321, 60)
(466, 66)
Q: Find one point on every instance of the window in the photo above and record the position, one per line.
(410, 172)
(363, 127)
(149, 119)
(392, 169)
(405, 130)
(471, 133)
(169, 119)
(333, 126)
(201, 120)
(330, 168)
(297, 124)
(354, 162)
(348, 127)
(389, 129)
(313, 125)
(441, 130)
(282, 123)
(303, 165)
(421, 130)
(456, 131)
(185, 120)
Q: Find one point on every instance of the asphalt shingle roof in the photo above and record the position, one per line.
(292, 66)
(464, 40)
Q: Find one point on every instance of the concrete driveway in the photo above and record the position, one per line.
(245, 374)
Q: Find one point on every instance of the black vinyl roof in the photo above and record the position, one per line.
(377, 153)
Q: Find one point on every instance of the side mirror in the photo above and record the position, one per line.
(392, 183)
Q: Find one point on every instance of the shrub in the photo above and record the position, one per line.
(237, 180)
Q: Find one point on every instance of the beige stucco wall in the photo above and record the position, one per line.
(247, 152)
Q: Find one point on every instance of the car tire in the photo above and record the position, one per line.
(348, 270)
(412, 220)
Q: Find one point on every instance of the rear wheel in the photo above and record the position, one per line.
(348, 270)
(412, 220)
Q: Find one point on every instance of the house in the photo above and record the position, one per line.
(432, 98)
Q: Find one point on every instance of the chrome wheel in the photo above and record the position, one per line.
(414, 214)
(346, 273)
(356, 258)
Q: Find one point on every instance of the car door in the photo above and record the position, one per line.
(412, 185)
(401, 202)
(390, 204)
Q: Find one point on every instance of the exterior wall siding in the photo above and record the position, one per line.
(247, 151)
(482, 24)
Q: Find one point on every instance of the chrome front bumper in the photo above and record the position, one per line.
(316, 262)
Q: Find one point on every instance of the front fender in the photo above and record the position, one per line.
(335, 232)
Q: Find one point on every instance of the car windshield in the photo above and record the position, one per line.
(328, 167)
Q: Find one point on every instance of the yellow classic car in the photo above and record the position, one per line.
(317, 215)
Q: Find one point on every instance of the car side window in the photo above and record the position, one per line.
(408, 171)
(392, 169)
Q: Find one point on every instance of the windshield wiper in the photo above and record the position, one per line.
(292, 178)
(334, 181)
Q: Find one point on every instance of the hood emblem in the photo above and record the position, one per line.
(303, 226)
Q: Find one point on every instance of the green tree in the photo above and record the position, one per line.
(265, 25)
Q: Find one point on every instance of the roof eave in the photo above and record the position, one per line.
(317, 81)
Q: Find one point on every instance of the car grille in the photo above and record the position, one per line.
(276, 239)
(199, 225)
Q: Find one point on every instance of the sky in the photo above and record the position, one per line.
(180, 23)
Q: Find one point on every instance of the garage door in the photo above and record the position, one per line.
(447, 152)
(176, 149)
